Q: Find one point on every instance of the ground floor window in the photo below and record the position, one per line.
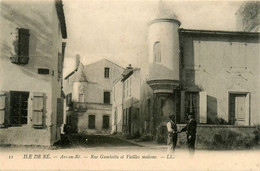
(19, 107)
(105, 122)
(91, 121)
(191, 103)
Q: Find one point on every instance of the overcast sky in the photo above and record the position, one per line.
(117, 30)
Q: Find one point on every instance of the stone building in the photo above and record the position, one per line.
(126, 97)
(32, 54)
(88, 96)
(214, 74)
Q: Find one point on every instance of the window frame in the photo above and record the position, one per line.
(157, 58)
(190, 106)
(107, 124)
(94, 124)
(106, 72)
(13, 98)
(105, 98)
(81, 97)
(21, 46)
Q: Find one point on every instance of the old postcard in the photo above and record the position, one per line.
(129, 85)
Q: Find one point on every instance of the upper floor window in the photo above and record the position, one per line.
(107, 97)
(21, 47)
(157, 52)
(81, 97)
(106, 72)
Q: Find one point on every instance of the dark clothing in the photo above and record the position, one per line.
(190, 129)
(172, 136)
(172, 141)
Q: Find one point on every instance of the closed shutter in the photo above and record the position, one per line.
(2, 108)
(203, 107)
(59, 111)
(23, 50)
(60, 66)
(39, 109)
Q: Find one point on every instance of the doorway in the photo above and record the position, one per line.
(239, 108)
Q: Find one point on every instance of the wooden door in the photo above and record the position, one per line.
(240, 109)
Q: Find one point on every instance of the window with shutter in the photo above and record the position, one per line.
(191, 104)
(60, 66)
(2, 108)
(39, 110)
(21, 47)
(19, 108)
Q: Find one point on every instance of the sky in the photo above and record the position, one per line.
(117, 30)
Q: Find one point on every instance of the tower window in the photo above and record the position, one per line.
(157, 52)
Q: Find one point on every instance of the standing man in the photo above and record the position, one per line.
(190, 129)
(172, 134)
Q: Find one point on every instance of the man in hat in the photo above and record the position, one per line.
(190, 129)
(172, 134)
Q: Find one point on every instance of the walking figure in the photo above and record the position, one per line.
(172, 134)
(190, 129)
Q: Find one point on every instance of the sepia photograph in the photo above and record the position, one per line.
(129, 85)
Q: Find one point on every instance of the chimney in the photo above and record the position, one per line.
(129, 67)
(77, 62)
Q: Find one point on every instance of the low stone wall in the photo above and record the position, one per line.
(217, 136)
(25, 135)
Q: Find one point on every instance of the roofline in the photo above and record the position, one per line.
(106, 60)
(218, 32)
(125, 77)
(70, 74)
(61, 17)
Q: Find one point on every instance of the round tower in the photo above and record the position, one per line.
(163, 51)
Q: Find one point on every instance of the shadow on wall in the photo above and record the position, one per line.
(212, 107)
(40, 36)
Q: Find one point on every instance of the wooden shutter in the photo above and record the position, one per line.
(2, 108)
(59, 111)
(60, 66)
(23, 46)
(39, 108)
(203, 107)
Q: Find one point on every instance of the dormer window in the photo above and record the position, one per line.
(157, 52)
(21, 47)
